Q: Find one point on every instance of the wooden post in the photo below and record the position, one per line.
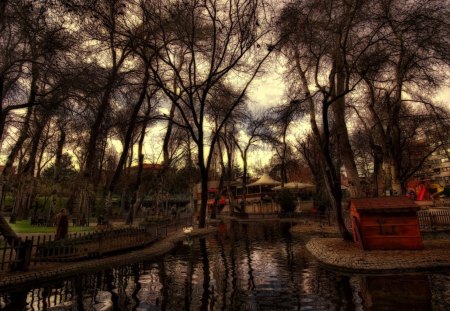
(12, 248)
(4, 255)
(23, 256)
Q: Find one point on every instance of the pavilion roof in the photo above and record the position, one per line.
(265, 179)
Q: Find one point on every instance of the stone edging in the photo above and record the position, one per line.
(347, 257)
(64, 270)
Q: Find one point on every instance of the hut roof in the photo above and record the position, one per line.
(384, 205)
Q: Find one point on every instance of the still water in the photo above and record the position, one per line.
(244, 267)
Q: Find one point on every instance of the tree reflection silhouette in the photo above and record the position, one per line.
(206, 276)
(137, 285)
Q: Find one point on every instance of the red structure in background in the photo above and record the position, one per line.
(418, 189)
(212, 194)
(385, 223)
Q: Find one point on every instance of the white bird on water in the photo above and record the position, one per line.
(188, 229)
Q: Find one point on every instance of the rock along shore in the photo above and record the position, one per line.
(348, 257)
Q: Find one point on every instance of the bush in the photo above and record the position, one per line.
(287, 201)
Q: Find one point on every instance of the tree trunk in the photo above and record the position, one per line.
(378, 176)
(3, 4)
(244, 181)
(127, 140)
(204, 196)
(43, 146)
(7, 169)
(85, 193)
(192, 186)
(87, 174)
(22, 137)
(219, 194)
(59, 154)
(204, 175)
(332, 177)
(135, 202)
(137, 195)
(167, 137)
(396, 158)
(10, 236)
(345, 149)
(229, 177)
(2, 127)
(329, 172)
(2, 111)
(283, 160)
(98, 171)
(220, 187)
(25, 194)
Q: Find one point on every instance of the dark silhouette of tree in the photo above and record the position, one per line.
(406, 68)
(343, 51)
(323, 40)
(281, 118)
(200, 46)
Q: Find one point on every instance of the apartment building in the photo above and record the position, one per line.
(437, 167)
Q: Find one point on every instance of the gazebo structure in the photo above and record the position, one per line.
(385, 223)
(258, 196)
(295, 185)
(262, 187)
(264, 180)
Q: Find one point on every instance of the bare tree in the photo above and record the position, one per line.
(138, 192)
(133, 118)
(401, 80)
(104, 22)
(322, 39)
(281, 118)
(43, 113)
(217, 106)
(21, 34)
(256, 131)
(202, 44)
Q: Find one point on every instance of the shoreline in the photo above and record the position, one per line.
(347, 257)
(56, 271)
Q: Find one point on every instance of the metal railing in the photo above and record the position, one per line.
(432, 220)
(41, 248)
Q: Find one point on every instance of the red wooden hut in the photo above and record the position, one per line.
(385, 223)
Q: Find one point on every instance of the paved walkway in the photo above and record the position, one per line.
(346, 256)
(55, 271)
(309, 227)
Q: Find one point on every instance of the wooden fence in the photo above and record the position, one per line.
(93, 244)
(432, 220)
(11, 256)
(79, 246)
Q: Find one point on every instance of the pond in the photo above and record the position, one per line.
(254, 266)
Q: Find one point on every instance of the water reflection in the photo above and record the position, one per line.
(244, 267)
(389, 293)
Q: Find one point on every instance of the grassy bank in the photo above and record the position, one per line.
(24, 226)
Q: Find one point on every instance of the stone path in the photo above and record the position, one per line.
(57, 271)
(346, 256)
(309, 227)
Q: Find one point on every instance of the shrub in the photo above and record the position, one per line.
(287, 202)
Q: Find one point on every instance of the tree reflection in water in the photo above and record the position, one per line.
(206, 276)
(245, 267)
